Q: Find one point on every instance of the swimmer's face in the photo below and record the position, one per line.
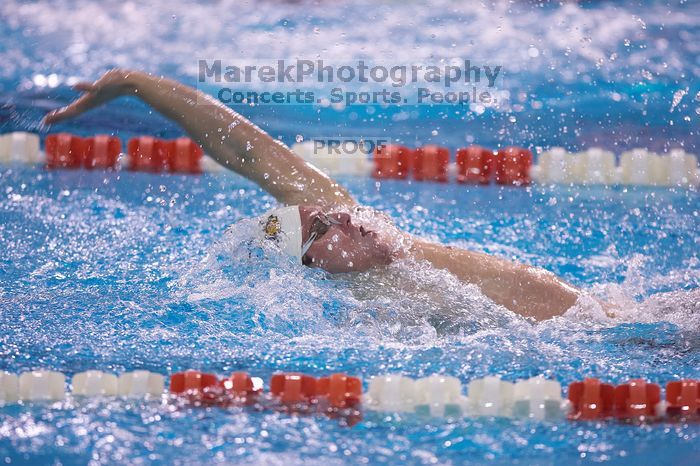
(340, 244)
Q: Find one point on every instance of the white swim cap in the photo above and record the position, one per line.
(283, 226)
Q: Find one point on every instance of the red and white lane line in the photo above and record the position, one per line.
(511, 166)
(341, 396)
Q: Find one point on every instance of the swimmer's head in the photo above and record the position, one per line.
(334, 241)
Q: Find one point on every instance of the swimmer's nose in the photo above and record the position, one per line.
(365, 232)
(344, 218)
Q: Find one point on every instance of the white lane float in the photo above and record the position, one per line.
(42, 386)
(141, 383)
(9, 388)
(555, 166)
(490, 396)
(679, 169)
(349, 158)
(20, 147)
(538, 398)
(595, 166)
(643, 167)
(639, 167)
(439, 395)
(94, 383)
(392, 393)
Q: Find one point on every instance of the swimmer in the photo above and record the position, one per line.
(321, 225)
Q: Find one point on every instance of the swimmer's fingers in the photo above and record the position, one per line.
(95, 94)
(109, 86)
(82, 104)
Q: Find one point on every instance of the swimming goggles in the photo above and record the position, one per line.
(319, 226)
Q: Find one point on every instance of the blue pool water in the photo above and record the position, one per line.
(105, 271)
(123, 271)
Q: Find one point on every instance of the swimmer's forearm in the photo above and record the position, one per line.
(238, 144)
(529, 291)
(219, 130)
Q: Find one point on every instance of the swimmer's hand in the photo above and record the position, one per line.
(112, 84)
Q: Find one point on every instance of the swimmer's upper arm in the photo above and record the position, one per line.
(278, 170)
(526, 290)
(239, 145)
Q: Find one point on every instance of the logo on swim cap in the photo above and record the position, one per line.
(272, 227)
(283, 227)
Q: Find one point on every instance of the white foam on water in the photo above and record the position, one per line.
(608, 304)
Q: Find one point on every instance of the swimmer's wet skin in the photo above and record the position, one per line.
(325, 227)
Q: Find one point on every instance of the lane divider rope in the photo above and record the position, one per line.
(341, 396)
(513, 166)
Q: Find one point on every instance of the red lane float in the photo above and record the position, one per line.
(239, 386)
(191, 381)
(591, 399)
(295, 392)
(149, 154)
(430, 163)
(65, 150)
(392, 161)
(339, 398)
(183, 155)
(475, 164)
(340, 390)
(102, 152)
(683, 398)
(146, 153)
(637, 399)
(197, 387)
(513, 166)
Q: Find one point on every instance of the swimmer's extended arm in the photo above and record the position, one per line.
(227, 136)
(526, 290)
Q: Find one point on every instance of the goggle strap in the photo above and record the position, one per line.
(307, 245)
(326, 220)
